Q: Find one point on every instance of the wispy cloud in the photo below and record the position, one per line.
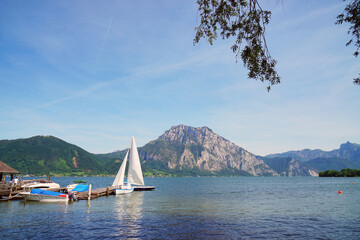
(77, 94)
(102, 45)
(140, 74)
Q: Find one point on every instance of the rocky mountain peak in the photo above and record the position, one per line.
(187, 135)
(201, 148)
(349, 146)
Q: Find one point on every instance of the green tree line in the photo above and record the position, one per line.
(346, 172)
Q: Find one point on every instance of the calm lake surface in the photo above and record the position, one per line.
(197, 208)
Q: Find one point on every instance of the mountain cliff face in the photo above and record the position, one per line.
(188, 147)
(349, 151)
(287, 166)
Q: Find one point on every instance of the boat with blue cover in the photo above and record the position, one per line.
(49, 196)
(44, 196)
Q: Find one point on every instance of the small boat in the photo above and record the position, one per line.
(40, 184)
(80, 188)
(74, 184)
(44, 196)
(135, 176)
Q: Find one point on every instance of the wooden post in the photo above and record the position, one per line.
(11, 187)
(107, 191)
(89, 196)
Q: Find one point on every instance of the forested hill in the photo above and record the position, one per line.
(49, 155)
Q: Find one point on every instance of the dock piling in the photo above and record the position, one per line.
(89, 196)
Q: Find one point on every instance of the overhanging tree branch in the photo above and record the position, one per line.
(246, 20)
(351, 15)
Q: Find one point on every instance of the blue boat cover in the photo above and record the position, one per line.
(45, 192)
(80, 188)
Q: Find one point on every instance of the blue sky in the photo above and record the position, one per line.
(94, 73)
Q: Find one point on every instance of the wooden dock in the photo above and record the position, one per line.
(8, 191)
(95, 193)
(99, 192)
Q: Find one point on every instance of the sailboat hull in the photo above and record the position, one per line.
(119, 191)
(143, 188)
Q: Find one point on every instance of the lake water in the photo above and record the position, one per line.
(197, 208)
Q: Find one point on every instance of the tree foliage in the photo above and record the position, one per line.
(245, 20)
(346, 172)
(351, 15)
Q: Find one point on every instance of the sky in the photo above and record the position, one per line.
(95, 73)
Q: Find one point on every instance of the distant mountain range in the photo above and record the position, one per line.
(180, 151)
(347, 156)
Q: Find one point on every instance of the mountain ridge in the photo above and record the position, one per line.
(180, 151)
(348, 150)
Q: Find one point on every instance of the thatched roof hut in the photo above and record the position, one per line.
(6, 169)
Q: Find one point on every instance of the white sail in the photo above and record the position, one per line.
(135, 174)
(119, 179)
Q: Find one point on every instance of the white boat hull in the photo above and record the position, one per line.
(119, 191)
(51, 186)
(44, 198)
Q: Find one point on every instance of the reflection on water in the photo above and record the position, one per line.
(128, 209)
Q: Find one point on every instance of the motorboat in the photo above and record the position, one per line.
(44, 196)
(40, 184)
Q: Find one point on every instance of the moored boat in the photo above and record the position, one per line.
(44, 196)
(70, 187)
(123, 189)
(135, 177)
(120, 186)
(40, 184)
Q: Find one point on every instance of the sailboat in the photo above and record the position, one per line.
(135, 176)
